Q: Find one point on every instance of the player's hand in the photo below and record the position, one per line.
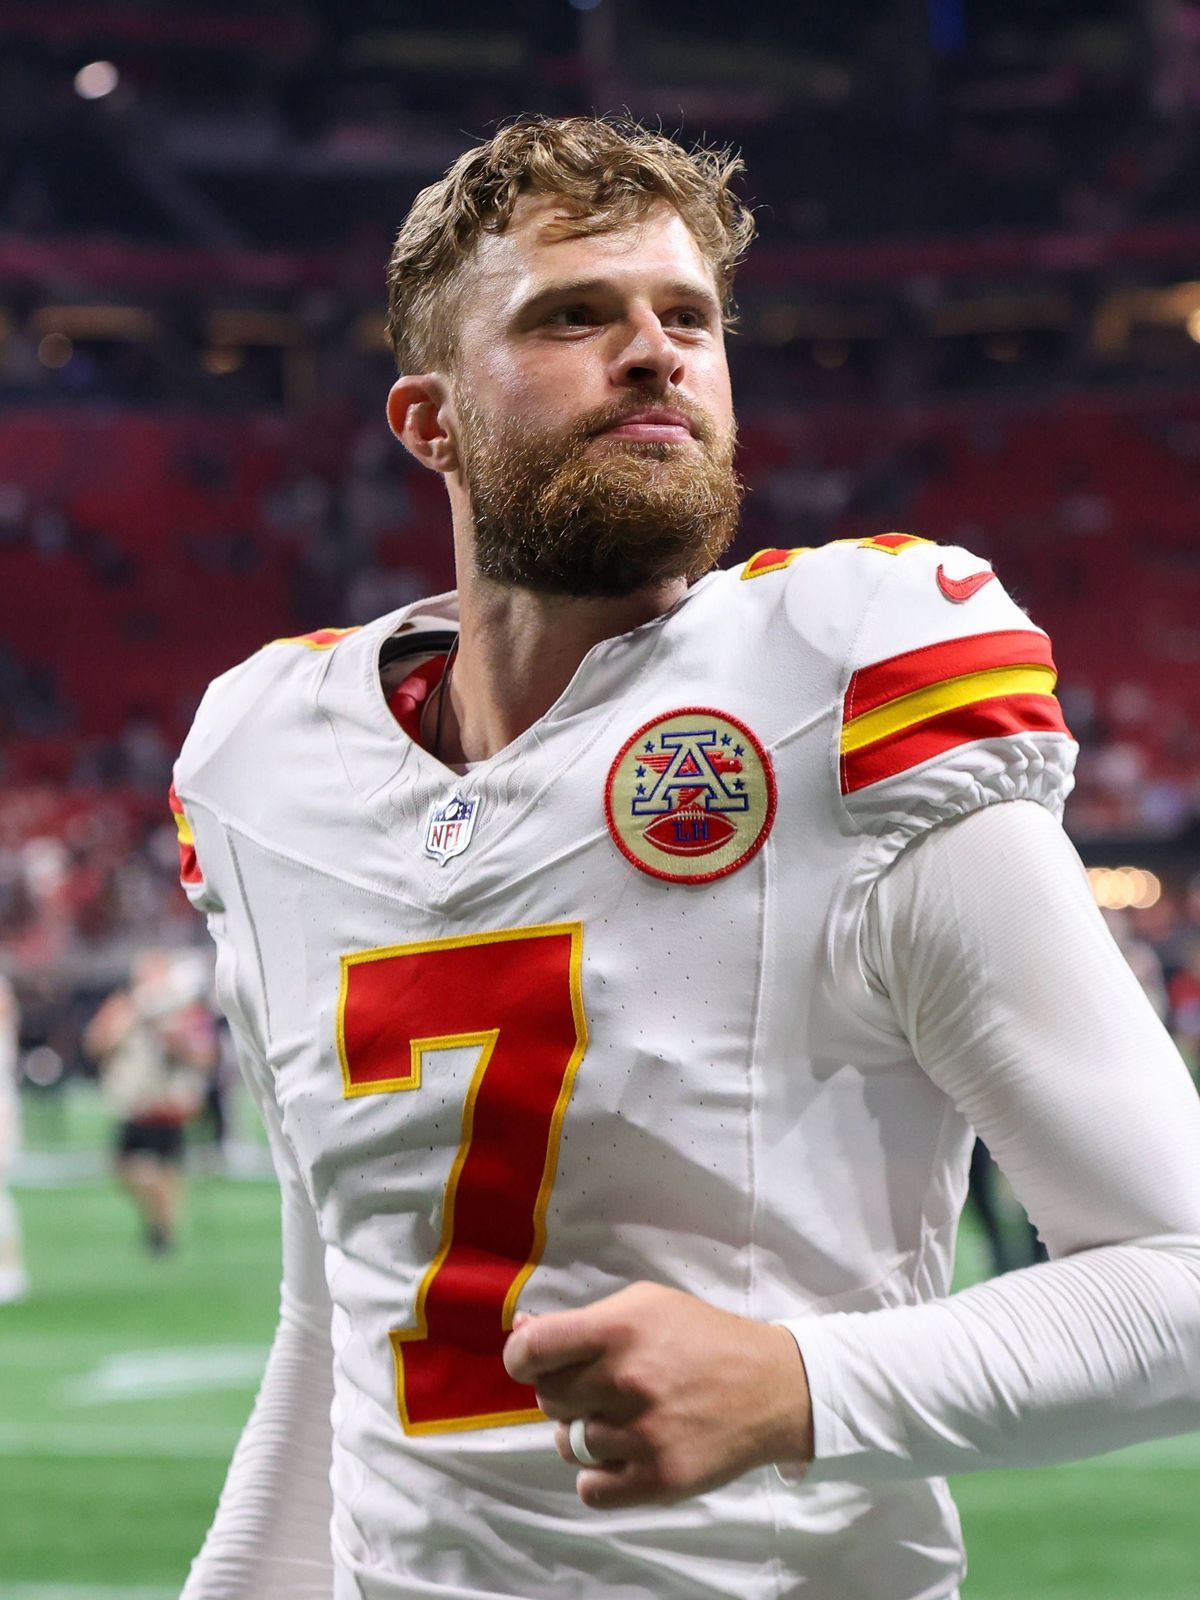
(679, 1397)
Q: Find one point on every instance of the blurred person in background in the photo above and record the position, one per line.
(14, 1280)
(1184, 995)
(1143, 959)
(156, 1049)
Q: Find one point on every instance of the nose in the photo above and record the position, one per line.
(648, 357)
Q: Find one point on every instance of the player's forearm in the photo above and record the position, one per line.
(1060, 1361)
(1015, 1001)
(1009, 991)
(270, 1537)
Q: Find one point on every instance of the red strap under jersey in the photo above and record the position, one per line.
(407, 699)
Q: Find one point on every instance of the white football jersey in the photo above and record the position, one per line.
(594, 1013)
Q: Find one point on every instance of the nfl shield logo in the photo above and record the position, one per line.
(450, 826)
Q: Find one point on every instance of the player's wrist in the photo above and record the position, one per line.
(789, 1440)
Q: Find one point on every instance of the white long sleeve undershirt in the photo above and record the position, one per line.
(1016, 1002)
(270, 1537)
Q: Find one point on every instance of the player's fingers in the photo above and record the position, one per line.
(584, 1390)
(620, 1410)
(613, 1445)
(545, 1344)
(562, 1405)
(631, 1483)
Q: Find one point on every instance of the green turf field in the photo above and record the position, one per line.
(124, 1381)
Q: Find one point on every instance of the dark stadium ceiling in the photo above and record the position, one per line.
(998, 32)
(289, 125)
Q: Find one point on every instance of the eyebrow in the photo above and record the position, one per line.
(567, 289)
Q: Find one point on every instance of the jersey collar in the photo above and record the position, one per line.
(375, 749)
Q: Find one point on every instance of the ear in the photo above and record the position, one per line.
(420, 414)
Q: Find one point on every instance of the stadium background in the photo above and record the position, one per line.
(973, 313)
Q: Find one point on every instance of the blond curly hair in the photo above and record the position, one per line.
(608, 174)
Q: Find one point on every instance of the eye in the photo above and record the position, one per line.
(577, 316)
(691, 318)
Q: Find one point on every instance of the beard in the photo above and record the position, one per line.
(558, 515)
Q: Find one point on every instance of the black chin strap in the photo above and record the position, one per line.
(424, 642)
(442, 690)
(420, 642)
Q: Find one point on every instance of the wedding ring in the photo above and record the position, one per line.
(577, 1438)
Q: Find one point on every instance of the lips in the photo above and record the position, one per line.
(654, 424)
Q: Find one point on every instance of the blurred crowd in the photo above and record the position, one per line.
(84, 877)
(267, 527)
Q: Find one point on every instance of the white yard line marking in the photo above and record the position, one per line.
(82, 1591)
(186, 1441)
(67, 1169)
(37, 1169)
(1183, 1450)
(48, 1350)
(165, 1373)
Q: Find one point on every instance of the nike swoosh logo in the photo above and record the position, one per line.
(960, 589)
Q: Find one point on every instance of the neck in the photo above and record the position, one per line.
(518, 650)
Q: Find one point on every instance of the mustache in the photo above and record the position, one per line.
(611, 416)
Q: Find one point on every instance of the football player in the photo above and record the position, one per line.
(14, 1279)
(155, 1046)
(622, 951)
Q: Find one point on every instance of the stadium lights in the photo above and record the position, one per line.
(122, 324)
(1127, 310)
(831, 354)
(221, 359)
(96, 80)
(785, 322)
(254, 327)
(55, 351)
(43, 1066)
(1012, 313)
(1124, 888)
(1004, 347)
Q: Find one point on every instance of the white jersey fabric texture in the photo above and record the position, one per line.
(774, 1109)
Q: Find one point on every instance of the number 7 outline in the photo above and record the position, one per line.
(486, 1040)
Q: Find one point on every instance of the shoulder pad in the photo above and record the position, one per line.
(778, 560)
(251, 690)
(949, 700)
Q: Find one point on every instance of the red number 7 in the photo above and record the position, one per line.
(516, 994)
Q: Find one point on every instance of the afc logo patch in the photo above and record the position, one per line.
(690, 796)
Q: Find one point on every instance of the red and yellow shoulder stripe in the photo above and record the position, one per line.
(912, 707)
(319, 639)
(765, 561)
(892, 544)
(771, 561)
(189, 867)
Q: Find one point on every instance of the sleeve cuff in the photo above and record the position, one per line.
(832, 1439)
